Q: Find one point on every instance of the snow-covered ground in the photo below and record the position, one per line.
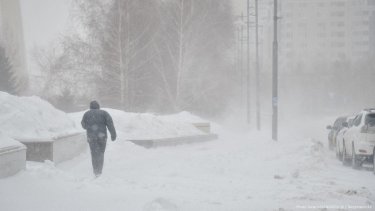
(240, 171)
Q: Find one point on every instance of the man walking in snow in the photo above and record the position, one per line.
(95, 122)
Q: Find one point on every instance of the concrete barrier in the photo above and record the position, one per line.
(56, 149)
(152, 143)
(12, 160)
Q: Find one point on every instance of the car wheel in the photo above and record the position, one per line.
(330, 145)
(355, 161)
(345, 161)
(337, 151)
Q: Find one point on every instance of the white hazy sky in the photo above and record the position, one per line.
(43, 22)
(44, 19)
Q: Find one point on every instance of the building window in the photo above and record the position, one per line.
(361, 13)
(289, 45)
(321, 4)
(361, 43)
(289, 35)
(338, 24)
(338, 34)
(338, 14)
(289, 53)
(289, 15)
(302, 24)
(361, 33)
(322, 25)
(341, 55)
(338, 4)
(359, 2)
(338, 44)
(322, 35)
(303, 4)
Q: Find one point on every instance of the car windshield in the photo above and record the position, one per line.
(370, 119)
(350, 122)
(338, 122)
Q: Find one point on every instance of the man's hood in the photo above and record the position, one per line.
(94, 105)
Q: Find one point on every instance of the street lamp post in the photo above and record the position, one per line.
(257, 77)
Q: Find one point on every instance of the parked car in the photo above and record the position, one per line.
(340, 136)
(359, 140)
(334, 130)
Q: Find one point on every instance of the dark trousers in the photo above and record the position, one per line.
(97, 147)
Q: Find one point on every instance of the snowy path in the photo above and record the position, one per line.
(236, 172)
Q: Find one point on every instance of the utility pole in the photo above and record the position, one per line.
(248, 65)
(275, 99)
(238, 49)
(257, 78)
(241, 61)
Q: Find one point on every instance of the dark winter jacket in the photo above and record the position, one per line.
(96, 122)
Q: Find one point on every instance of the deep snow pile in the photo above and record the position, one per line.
(136, 126)
(32, 117)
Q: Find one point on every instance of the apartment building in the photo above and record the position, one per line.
(321, 31)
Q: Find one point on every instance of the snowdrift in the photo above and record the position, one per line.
(32, 117)
(7, 142)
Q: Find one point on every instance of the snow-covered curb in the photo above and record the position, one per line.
(153, 143)
(12, 156)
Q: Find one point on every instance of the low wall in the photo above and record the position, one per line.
(152, 143)
(203, 126)
(12, 160)
(56, 149)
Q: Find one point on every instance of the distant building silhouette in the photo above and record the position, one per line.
(11, 37)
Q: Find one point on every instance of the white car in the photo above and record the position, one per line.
(340, 136)
(359, 139)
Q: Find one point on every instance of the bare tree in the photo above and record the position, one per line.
(193, 32)
(164, 55)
